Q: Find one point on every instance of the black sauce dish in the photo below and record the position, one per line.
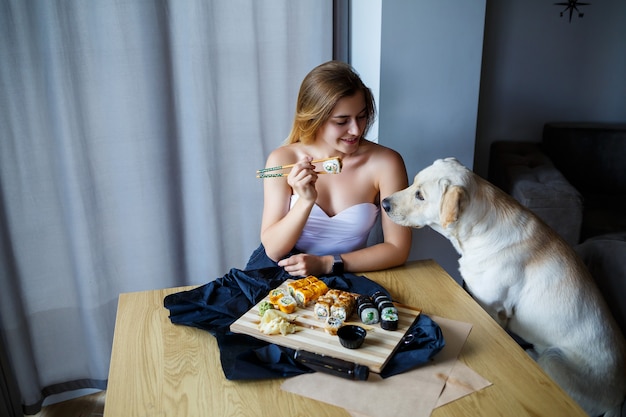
(351, 336)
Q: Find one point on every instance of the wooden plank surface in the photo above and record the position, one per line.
(375, 352)
(161, 369)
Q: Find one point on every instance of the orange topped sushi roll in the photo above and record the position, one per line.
(277, 294)
(287, 304)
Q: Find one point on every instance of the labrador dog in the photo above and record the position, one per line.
(527, 278)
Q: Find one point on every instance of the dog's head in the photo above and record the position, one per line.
(436, 198)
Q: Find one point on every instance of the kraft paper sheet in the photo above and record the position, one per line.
(415, 393)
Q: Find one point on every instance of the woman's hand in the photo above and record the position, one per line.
(302, 179)
(303, 264)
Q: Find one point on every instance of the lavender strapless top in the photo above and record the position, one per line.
(344, 232)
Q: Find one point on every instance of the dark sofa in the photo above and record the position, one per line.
(575, 180)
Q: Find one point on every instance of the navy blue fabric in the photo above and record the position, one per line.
(422, 341)
(217, 304)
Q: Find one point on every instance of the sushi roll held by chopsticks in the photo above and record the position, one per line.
(329, 166)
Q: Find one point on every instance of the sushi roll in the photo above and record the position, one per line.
(387, 306)
(276, 294)
(369, 314)
(293, 286)
(349, 298)
(339, 311)
(306, 290)
(332, 166)
(332, 325)
(346, 297)
(378, 294)
(309, 280)
(319, 288)
(379, 297)
(362, 299)
(387, 311)
(287, 304)
(304, 296)
(322, 308)
(334, 293)
(366, 310)
(389, 321)
(362, 306)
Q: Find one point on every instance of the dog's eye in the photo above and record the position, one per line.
(419, 195)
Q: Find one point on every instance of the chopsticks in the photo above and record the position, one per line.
(332, 165)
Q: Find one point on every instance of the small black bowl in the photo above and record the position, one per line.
(351, 336)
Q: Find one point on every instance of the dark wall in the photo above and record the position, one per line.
(538, 67)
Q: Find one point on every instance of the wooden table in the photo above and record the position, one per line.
(161, 369)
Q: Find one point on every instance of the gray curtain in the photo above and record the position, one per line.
(130, 132)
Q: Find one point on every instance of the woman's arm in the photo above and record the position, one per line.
(281, 226)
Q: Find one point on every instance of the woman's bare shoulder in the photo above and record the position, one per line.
(286, 154)
(387, 168)
(380, 154)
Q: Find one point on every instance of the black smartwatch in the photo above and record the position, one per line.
(337, 265)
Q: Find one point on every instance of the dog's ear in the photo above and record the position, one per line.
(451, 204)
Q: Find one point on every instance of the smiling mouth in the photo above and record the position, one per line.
(351, 141)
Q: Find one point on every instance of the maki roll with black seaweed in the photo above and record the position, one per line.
(387, 311)
(379, 296)
(387, 306)
(367, 311)
(389, 321)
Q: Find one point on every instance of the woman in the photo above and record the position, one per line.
(328, 217)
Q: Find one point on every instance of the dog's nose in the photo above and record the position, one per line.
(386, 205)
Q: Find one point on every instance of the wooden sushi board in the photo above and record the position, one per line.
(377, 349)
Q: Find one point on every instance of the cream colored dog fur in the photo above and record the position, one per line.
(528, 279)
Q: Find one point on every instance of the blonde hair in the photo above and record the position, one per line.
(320, 91)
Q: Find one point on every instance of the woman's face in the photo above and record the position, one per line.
(345, 126)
